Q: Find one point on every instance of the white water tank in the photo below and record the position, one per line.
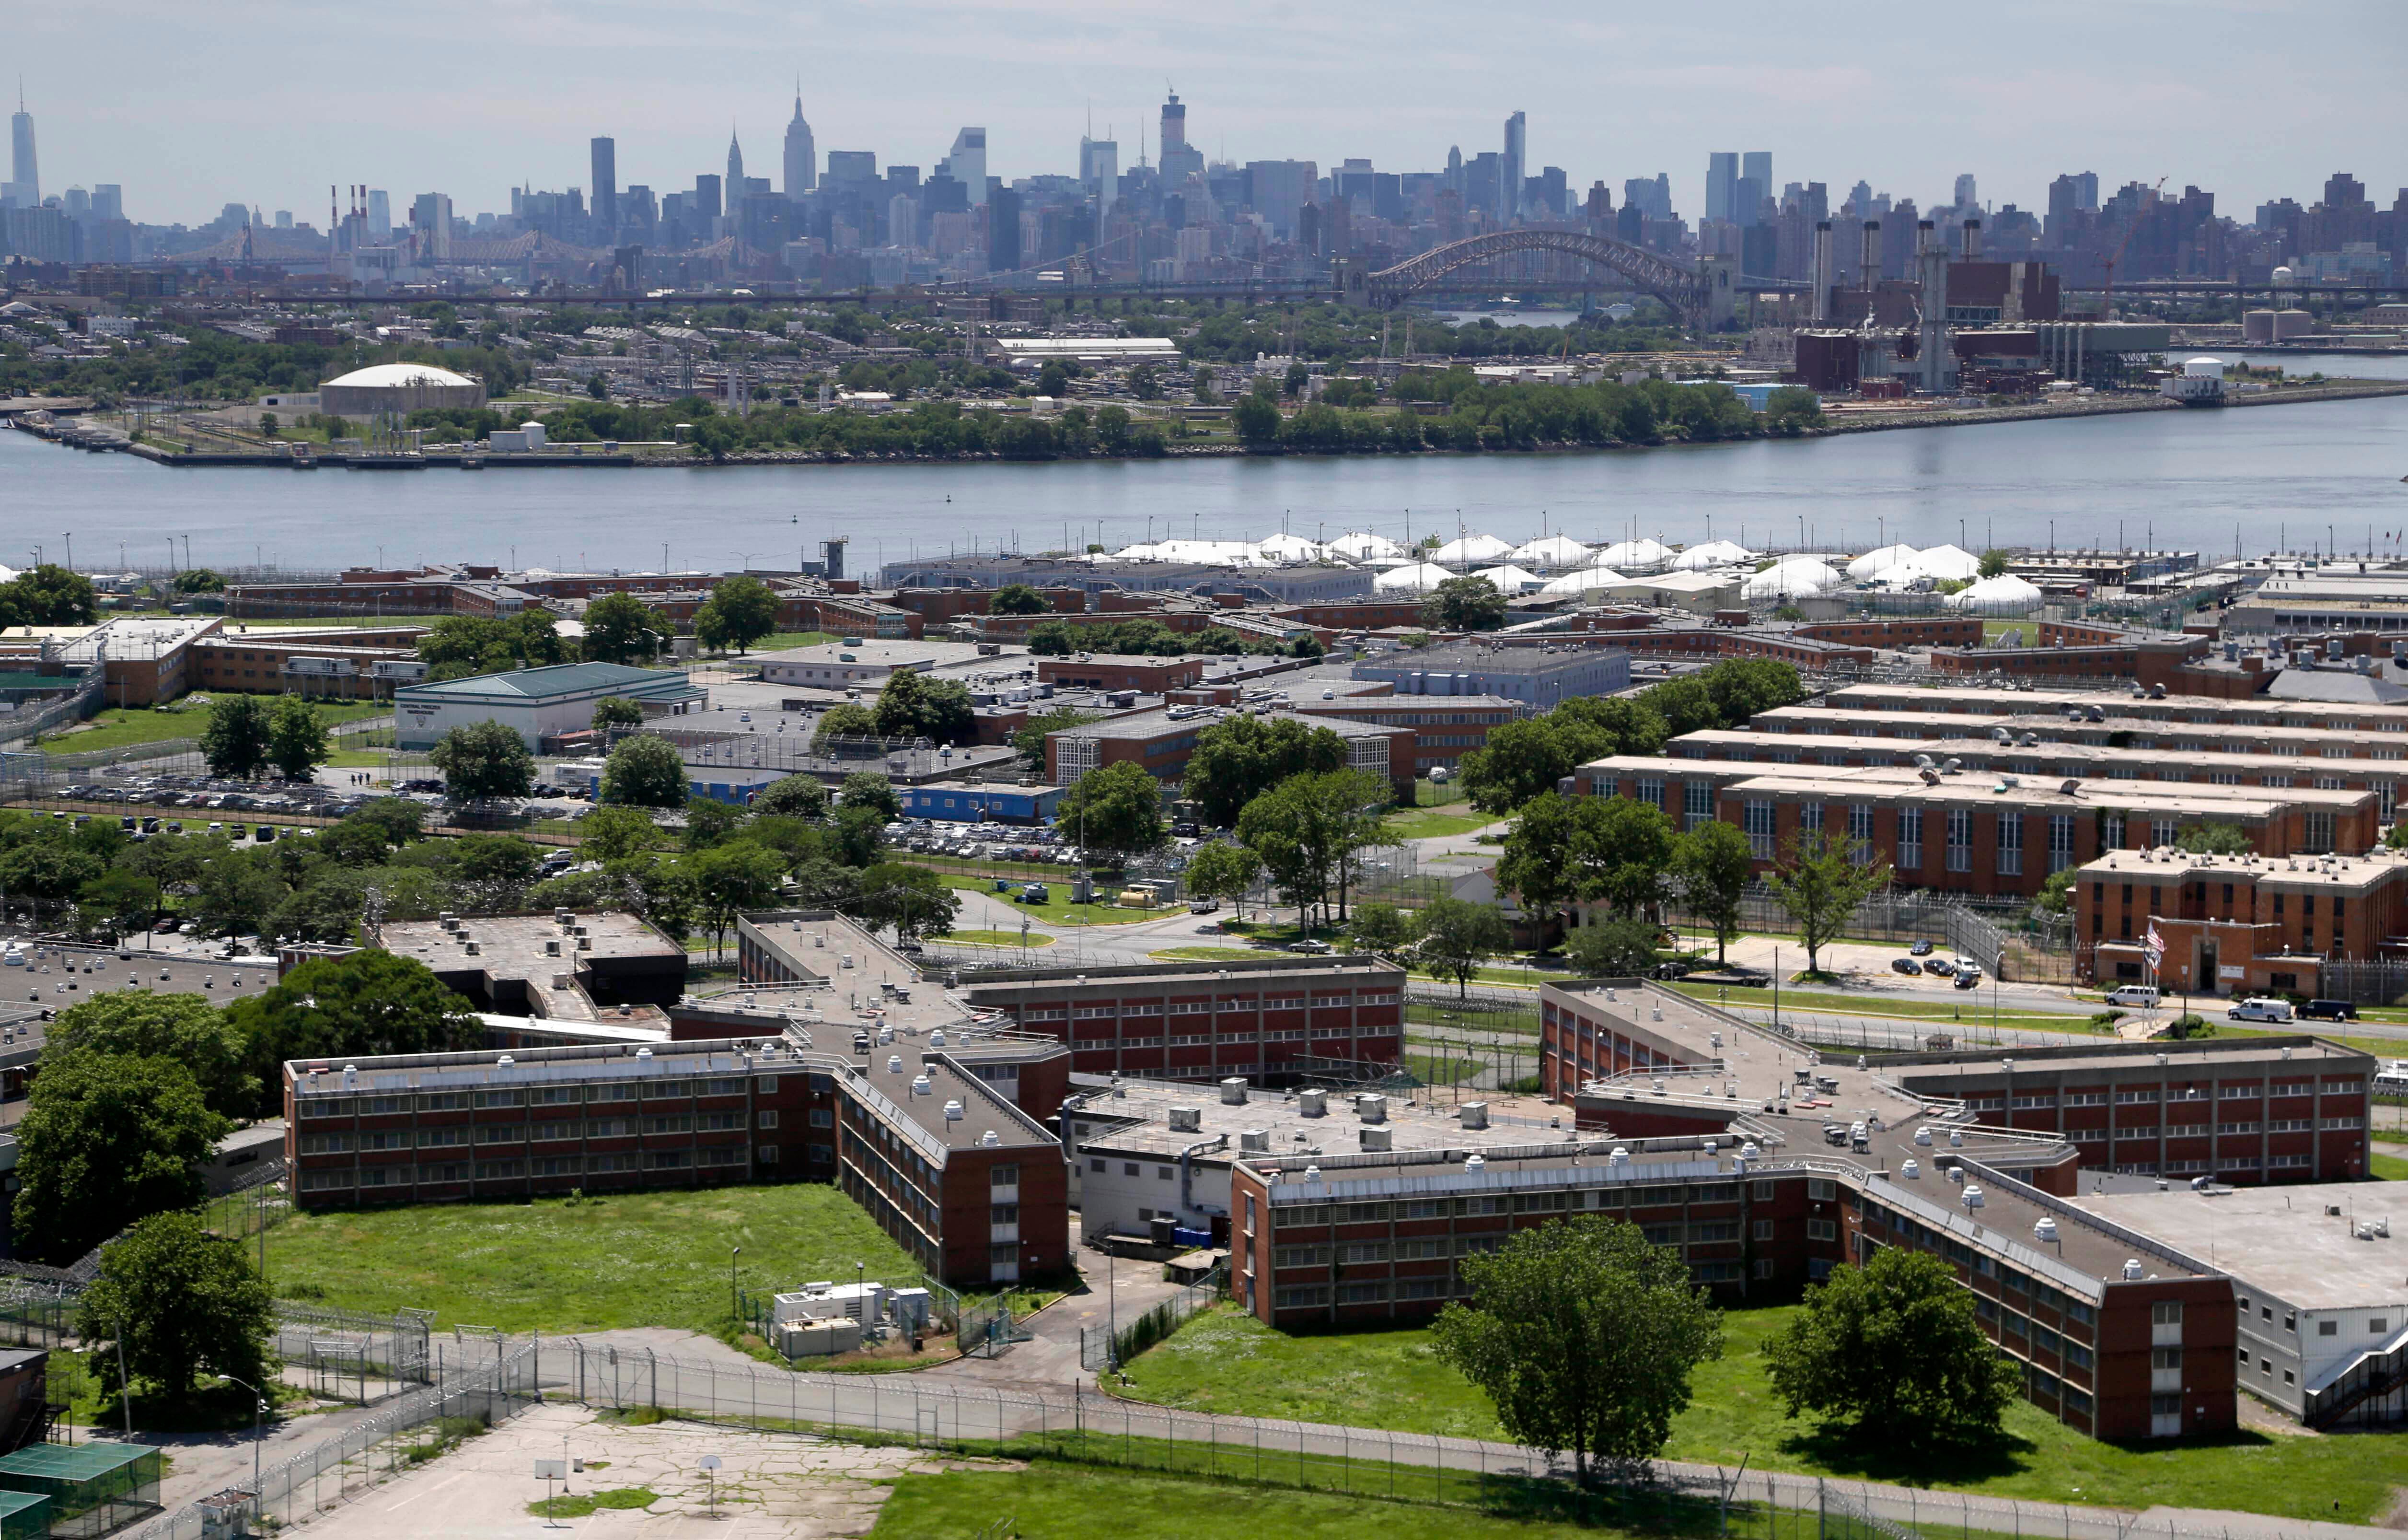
(2203, 369)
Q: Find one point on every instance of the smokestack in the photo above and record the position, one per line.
(1822, 274)
(1931, 279)
(1870, 266)
(1927, 235)
(1973, 241)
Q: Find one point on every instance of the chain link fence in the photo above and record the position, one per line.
(1103, 1347)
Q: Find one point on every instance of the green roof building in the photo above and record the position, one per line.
(537, 703)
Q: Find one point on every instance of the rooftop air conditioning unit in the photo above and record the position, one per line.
(1378, 1139)
(1186, 1119)
(1233, 1091)
(1472, 1115)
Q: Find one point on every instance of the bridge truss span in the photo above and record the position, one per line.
(1688, 289)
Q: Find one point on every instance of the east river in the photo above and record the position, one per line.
(2301, 477)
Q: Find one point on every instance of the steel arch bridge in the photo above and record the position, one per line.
(1696, 292)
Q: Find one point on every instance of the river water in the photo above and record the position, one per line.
(2296, 477)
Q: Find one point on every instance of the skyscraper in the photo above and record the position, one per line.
(1722, 182)
(967, 164)
(1180, 160)
(1510, 201)
(1099, 168)
(606, 185)
(802, 158)
(734, 184)
(1757, 164)
(1002, 230)
(25, 174)
(1965, 198)
(379, 215)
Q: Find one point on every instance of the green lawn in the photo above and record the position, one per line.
(1207, 954)
(638, 1258)
(2388, 1167)
(125, 726)
(777, 643)
(1065, 1502)
(1058, 909)
(1229, 1362)
(1424, 823)
(995, 937)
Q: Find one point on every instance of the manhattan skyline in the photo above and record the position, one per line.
(2234, 96)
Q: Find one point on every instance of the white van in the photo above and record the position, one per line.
(2260, 1008)
(2143, 995)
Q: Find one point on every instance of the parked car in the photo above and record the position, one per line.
(1310, 947)
(2143, 995)
(2260, 1008)
(1939, 968)
(1907, 966)
(1921, 949)
(2330, 1010)
(1204, 906)
(1970, 978)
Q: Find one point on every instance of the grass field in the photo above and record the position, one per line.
(2388, 1167)
(1207, 954)
(1066, 1502)
(1229, 1362)
(779, 642)
(1427, 824)
(1058, 909)
(125, 726)
(997, 938)
(638, 1258)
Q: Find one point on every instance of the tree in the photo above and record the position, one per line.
(1017, 598)
(616, 833)
(1464, 604)
(1458, 935)
(1994, 564)
(1255, 420)
(1740, 688)
(460, 646)
(1535, 865)
(622, 628)
(237, 895)
(1620, 725)
(871, 790)
(1521, 760)
(200, 579)
(1382, 928)
(1145, 381)
(48, 872)
(1821, 880)
(1308, 830)
(362, 1004)
(795, 796)
(182, 1303)
(49, 594)
(168, 861)
(296, 739)
(740, 612)
(1241, 758)
(1685, 705)
(860, 831)
(107, 1139)
(1713, 865)
(1895, 1349)
(113, 903)
(236, 740)
(1614, 949)
(2056, 895)
(1621, 852)
(911, 899)
(1223, 871)
(1116, 808)
(1054, 379)
(1791, 410)
(731, 878)
(1585, 1337)
(843, 721)
(1053, 639)
(710, 822)
(617, 711)
(184, 1028)
(913, 705)
(644, 771)
(2215, 839)
(481, 760)
(1030, 739)
(490, 872)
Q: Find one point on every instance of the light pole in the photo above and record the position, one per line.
(733, 1252)
(259, 1411)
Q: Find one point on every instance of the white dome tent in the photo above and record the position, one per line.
(1418, 578)
(1558, 551)
(1586, 580)
(1358, 545)
(1875, 562)
(1949, 564)
(1638, 552)
(1509, 579)
(1471, 549)
(1697, 558)
(1286, 547)
(2004, 595)
(1799, 577)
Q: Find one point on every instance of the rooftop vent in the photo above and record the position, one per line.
(1475, 1163)
(921, 1085)
(1911, 1171)
(1186, 1119)
(2131, 1270)
(2044, 1230)
(1313, 1174)
(894, 1063)
(1973, 1197)
(990, 1139)
(643, 1053)
(953, 1112)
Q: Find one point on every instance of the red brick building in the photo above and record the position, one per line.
(2236, 924)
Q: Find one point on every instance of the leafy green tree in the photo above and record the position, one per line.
(622, 628)
(1238, 759)
(183, 1302)
(1223, 871)
(1055, 639)
(49, 594)
(740, 612)
(237, 895)
(617, 711)
(869, 789)
(1622, 855)
(1613, 948)
(617, 833)
(1994, 564)
(479, 761)
(911, 899)
(1741, 686)
(1685, 705)
(1054, 379)
(200, 579)
(1713, 865)
(1792, 410)
(1893, 1349)
(1819, 881)
(1464, 604)
(2056, 895)
(710, 822)
(1017, 598)
(846, 721)
(236, 740)
(795, 796)
(1522, 761)
(1116, 808)
(645, 772)
(168, 862)
(1620, 725)
(47, 874)
(1585, 1337)
(860, 831)
(296, 739)
(489, 873)
(107, 1139)
(1256, 421)
(362, 1004)
(731, 878)
(1458, 935)
(113, 903)
(1145, 381)
(1535, 864)
(1030, 739)
(460, 646)
(913, 705)
(2215, 839)
(185, 1029)
(1309, 830)
(1382, 928)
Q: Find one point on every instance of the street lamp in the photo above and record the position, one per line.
(733, 1309)
(259, 1411)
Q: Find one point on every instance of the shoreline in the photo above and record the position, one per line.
(1882, 423)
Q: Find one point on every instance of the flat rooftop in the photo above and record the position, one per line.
(892, 1072)
(1134, 1117)
(333, 1076)
(1145, 978)
(2281, 1238)
(2339, 873)
(1157, 724)
(512, 945)
(891, 653)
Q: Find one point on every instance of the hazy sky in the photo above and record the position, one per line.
(270, 101)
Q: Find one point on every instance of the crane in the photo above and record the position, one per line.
(2148, 201)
